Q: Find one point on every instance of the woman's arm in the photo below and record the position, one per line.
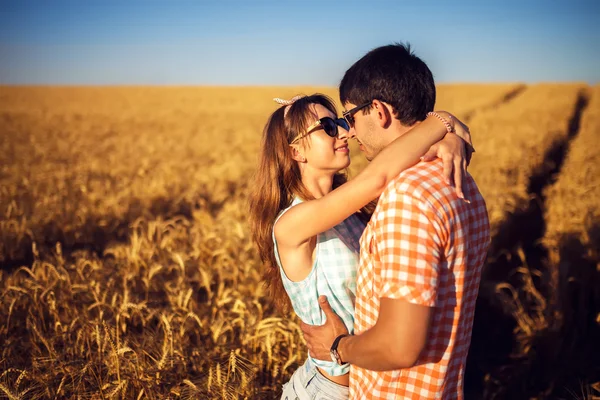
(310, 218)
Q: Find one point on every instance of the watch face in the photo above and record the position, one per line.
(335, 357)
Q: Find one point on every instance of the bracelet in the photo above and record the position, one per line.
(449, 128)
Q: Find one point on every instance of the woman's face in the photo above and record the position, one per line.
(323, 152)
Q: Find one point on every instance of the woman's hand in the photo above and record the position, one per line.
(455, 150)
(463, 131)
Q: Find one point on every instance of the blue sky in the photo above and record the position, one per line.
(180, 42)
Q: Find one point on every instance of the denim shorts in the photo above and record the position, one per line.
(307, 383)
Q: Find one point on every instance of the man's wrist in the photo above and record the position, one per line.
(335, 350)
(342, 348)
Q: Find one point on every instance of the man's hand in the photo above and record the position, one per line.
(319, 338)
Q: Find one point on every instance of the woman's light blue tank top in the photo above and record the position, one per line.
(333, 274)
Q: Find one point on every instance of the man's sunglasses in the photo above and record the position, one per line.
(349, 115)
(328, 124)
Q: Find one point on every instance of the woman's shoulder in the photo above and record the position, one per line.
(295, 201)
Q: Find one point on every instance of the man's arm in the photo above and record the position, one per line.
(408, 248)
(395, 341)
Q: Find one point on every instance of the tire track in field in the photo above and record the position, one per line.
(504, 99)
(527, 226)
(521, 230)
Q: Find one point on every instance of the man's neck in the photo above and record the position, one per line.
(396, 130)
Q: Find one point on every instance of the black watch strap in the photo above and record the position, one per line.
(334, 347)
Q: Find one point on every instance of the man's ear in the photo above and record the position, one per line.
(382, 113)
(297, 154)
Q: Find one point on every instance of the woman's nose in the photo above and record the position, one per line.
(342, 133)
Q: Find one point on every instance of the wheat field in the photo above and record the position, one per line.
(128, 272)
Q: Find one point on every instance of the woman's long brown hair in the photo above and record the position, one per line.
(278, 181)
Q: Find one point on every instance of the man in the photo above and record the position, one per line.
(421, 253)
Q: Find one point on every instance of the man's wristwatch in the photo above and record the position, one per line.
(335, 356)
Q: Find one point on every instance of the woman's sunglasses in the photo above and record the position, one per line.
(328, 124)
(349, 115)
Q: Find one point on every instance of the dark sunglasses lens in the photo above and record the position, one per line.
(343, 123)
(349, 119)
(329, 126)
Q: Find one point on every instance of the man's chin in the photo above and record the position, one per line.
(367, 155)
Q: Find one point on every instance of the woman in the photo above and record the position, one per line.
(305, 216)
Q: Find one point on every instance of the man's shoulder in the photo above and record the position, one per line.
(425, 186)
(420, 180)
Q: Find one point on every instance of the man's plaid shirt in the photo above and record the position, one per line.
(426, 246)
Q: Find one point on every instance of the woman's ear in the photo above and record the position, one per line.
(382, 113)
(297, 154)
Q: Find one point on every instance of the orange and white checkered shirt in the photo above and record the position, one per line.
(426, 246)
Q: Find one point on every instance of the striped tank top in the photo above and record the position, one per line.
(333, 274)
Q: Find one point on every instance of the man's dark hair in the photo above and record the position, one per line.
(394, 75)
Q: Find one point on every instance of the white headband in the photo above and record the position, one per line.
(287, 103)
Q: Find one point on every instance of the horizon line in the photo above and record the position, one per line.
(157, 85)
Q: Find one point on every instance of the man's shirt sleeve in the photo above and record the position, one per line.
(408, 250)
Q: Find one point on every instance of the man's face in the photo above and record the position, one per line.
(365, 131)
